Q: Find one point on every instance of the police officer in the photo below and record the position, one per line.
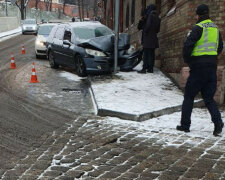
(201, 48)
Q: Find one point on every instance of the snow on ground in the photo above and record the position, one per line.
(137, 93)
(70, 76)
(201, 127)
(9, 34)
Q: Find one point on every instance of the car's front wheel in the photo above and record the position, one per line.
(38, 56)
(52, 63)
(80, 66)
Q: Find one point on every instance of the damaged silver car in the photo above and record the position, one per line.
(89, 47)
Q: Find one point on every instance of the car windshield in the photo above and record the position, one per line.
(86, 33)
(45, 30)
(30, 21)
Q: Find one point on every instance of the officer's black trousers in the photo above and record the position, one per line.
(202, 80)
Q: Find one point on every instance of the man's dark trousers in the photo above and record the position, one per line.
(204, 80)
(149, 58)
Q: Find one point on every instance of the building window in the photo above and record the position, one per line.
(171, 7)
(127, 16)
(133, 12)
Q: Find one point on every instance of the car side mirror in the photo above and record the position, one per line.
(66, 42)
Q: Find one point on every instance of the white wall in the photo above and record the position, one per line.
(8, 23)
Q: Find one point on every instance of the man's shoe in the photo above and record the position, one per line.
(143, 71)
(181, 128)
(218, 129)
(150, 70)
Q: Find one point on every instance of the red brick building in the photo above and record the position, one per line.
(177, 19)
(69, 10)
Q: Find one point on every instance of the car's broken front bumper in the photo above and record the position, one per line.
(131, 60)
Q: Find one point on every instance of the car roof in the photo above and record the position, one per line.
(30, 19)
(49, 24)
(85, 23)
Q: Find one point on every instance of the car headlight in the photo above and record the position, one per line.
(95, 53)
(40, 43)
(131, 49)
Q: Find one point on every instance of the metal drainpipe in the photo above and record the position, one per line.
(117, 15)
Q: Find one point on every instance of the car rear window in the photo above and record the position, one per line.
(45, 30)
(30, 21)
(86, 33)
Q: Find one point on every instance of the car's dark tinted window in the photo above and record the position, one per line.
(59, 33)
(85, 33)
(67, 35)
(45, 30)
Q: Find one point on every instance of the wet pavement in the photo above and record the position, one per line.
(30, 112)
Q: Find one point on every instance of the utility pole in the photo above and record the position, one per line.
(117, 16)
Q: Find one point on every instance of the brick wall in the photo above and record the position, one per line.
(174, 29)
(219, 96)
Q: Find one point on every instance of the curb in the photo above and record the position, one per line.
(146, 116)
(10, 35)
(136, 117)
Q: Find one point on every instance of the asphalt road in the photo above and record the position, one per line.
(27, 116)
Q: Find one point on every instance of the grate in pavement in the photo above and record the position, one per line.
(77, 91)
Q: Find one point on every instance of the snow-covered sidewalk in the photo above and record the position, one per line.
(137, 94)
(201, 125)
(9, 34)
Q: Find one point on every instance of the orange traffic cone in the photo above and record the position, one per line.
(13, 64)
(23, 50)
(33, 76)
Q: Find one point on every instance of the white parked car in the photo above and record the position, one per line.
(29, 26)
(43, 33)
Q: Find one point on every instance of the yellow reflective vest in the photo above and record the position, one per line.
(209, 41)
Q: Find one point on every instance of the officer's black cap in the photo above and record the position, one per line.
(202, 9)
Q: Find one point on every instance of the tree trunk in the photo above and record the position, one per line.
(36, 4)
(50, 5)
(22, 10)
(95, 8)
(87, 8)
(82, 1)
(79, 10)
(64, 4)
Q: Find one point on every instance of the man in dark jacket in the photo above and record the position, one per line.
(201, 48)
(150, 25)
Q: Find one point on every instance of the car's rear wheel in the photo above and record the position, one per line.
(52, 63)
(80, 66)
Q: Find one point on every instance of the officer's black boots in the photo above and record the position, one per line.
(181, 128)
(143, 71)
(150, 70)
(218, 129)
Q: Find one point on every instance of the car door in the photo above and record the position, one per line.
(57, 45)
(68, 47)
